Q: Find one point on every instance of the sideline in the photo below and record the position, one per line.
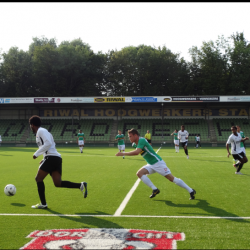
(129, 216)
(169, 156)
(127, 198)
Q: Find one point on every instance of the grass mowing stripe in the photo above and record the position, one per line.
(129, 216)
(126, 199)
(169, 156)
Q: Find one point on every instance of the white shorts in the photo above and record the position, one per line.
(243, 150)
(80, 142)
(121, 147)
(159, 167)
(176, 142)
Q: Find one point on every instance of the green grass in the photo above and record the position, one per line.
(220, 193)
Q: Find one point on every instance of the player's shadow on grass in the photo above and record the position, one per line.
(92, 221)
(84, 153)
(203, 204)
(18, 204)
(77, 153)
(133, 159)
(5, 155)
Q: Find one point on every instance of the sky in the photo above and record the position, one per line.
(110, 26)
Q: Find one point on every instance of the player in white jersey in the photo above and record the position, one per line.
(51, 163)
(242, 145)
(0, 140)
(183, 137)
(197, 140)
(235, 139)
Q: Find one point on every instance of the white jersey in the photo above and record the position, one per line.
(197, 138)
(0, 138)
(182, 135)
(235, 143)
(46, 143)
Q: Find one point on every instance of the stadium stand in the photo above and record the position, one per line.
(12, 130)
(223, 127)
(193, 126)
(99, 130)
(95, 130)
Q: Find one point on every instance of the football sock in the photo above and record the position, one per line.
(237, 163)
(80, 149)
(240, 167)
(176, 149)
(69, 184)
(41, 192)
(182, 184)
(148, 182)
(186, 151)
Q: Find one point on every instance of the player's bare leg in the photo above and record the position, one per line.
(142, 175)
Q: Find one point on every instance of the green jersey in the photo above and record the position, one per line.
(120, 141)
(80, 136)
(176, 136)
(147, 152)
(197, 138)
(243, 136)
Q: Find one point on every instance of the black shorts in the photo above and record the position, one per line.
(184, 144)
(198, 142)
(51, 164)
(239, 156)
(149, 141)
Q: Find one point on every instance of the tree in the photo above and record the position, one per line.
(209, 68)
(16, 73)
(79, 70)
(240, 65)
(38, 42)
(145, 70)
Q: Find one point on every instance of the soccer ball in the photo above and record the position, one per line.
(10, 190)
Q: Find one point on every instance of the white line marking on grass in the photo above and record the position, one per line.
(130, 216)
(126, 199)
(158, 150)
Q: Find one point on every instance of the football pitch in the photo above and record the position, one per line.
(218, 218)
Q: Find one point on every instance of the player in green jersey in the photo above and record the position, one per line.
(121, 143)
(242, 145)
(176, 141)
(80, 140)
(155, 164)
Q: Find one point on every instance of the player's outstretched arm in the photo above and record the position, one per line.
(244, 139)
(135, 152)
(228, 153)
